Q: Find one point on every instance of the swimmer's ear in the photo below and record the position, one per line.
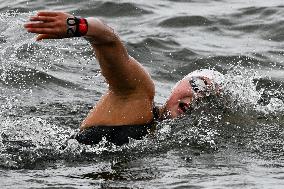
(46, 36)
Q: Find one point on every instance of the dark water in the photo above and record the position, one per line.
(234, 142)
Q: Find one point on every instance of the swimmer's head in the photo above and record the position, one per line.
(192, 87)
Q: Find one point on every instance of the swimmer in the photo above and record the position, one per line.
(127, 109)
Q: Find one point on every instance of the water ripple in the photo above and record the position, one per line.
(185, 21)
(112, 9)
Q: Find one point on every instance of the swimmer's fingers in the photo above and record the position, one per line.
(40, 25)
(52, 31)
(52, 24)
(43, 18)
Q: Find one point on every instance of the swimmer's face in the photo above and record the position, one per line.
(182, 95)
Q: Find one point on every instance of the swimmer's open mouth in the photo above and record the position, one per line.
(183, 106)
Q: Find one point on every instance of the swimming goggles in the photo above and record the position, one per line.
(198, 84)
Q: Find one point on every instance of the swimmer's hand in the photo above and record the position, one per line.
(49, 25)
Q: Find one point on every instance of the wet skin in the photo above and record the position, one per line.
(182, 96)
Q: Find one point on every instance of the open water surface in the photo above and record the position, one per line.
(48, 87)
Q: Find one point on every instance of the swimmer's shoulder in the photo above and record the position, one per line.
(116, 110)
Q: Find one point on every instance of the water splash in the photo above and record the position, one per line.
(24, 141)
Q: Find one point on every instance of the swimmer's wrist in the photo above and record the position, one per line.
(76, 26)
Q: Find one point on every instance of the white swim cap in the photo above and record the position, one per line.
(213, 75)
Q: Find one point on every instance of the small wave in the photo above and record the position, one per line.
(192, 1)
(160, 43)
(15, 9)
(268, 31)
(27, 141)
(248, 27)
(38, 135)
(155, 43)
(185, 21)
(265, 22)
(184, 1)
(21, 6)
(188, 62)
(274, 31)
(32, 77)
(259, 11)
(111, 9)
(140, 51)
(229, 62)
(63, 114)
(182, 54)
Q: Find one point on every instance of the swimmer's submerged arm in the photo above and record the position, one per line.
(124, 74)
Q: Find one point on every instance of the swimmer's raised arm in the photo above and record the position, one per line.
(129, 100)
(122, 72)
